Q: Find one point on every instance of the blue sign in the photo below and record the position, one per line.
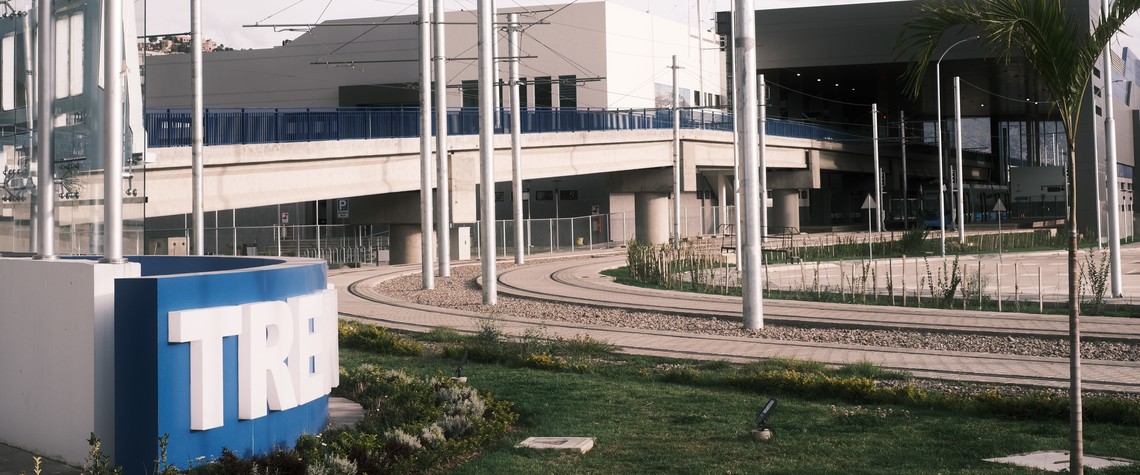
(221, 353)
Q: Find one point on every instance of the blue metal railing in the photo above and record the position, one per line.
(171, 127)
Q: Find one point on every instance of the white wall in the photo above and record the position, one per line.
(586, 39)
(639, 52)
(57, 354)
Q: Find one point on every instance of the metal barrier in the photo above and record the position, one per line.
(288, 241)
(551, 235)
(171, 127)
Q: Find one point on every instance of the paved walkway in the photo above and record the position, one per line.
(13, 461)
(578, 281)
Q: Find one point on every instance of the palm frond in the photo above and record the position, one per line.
(1061, 51)
(919, 39)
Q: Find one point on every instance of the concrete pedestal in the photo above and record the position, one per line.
(651, 217)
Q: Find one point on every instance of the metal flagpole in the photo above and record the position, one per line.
(958, 155)
(29, 110)
(676, 158)
(426, 213)
(113, 131)
(744, 28)
(196, 125)
(737, 196)
(762, 157)
(443, 208)
(516, 141)
(877, 171)
(1110, 169)
(486, 154)
(45, 181)
(902, 142)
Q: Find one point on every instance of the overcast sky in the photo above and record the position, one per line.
(222, 20)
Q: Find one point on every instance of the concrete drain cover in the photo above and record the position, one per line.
(576, 444)
(1055, 461)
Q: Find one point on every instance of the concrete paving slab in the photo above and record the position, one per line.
(14, 461)
(1058, 461)
(344, 413)
(569, 444)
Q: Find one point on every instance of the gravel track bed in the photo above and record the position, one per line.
(460, 292)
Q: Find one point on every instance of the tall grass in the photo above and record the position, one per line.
(676, 265)
(684, 265)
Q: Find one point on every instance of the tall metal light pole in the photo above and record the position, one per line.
(29, 111)
(443, 215)
(762, 156)
(747, 115)
(958, 157)
(902, 143)
(1110, 168)
(45, 182)
(878, 173)
(487, 153)
(196, 125)
(676, 157)
(700, 57)
(426, 271)
(737, 196)
(516, 140)
(938, 133)
(113, 131)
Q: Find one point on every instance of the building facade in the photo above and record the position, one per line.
(585, 54)
(828, 64)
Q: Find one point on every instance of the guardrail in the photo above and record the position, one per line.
(171, 127)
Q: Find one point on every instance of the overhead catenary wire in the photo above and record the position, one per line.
(857, 104)
(555, 12)
(1011, 99)
(573, 63)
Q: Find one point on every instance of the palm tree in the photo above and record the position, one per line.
(1062, 50)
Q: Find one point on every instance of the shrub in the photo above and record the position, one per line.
(331, 465)
(400, 444)
(97, 462)
(913, 239)
(376, 339)
(443, 335)
(410, 424)
(859, 417)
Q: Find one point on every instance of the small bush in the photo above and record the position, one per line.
(443, 335)
(859, 417)
(913, 239)
(866, 369)
(410, 424)
(331, 465)
(376, 339)
(676, 373)
(97, 462)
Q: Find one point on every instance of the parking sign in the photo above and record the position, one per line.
(342, 208)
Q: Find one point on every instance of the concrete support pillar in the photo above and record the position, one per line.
(651, 217)
(785, 211)
(404, 241)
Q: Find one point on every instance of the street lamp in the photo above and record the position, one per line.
(938, 132)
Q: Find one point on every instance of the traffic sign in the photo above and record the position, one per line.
(342, 208)
(999, 207)
(869, 203)
(284, 217)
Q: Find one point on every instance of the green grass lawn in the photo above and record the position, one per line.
(645, 425)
